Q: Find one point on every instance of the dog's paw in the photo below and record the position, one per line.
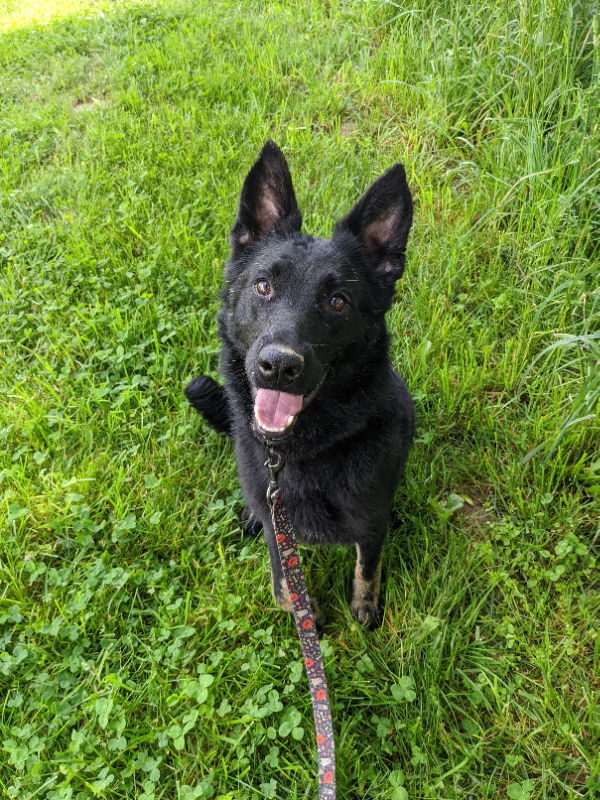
(251, 526)
(367, 613)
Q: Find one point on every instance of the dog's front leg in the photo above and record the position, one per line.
(365, 606)
(279, 585)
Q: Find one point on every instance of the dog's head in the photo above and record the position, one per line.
(297, 306)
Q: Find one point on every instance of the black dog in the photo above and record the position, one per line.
(306, 366)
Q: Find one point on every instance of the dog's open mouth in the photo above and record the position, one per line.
(275, 412)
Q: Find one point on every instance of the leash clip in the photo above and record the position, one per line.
(274, 464)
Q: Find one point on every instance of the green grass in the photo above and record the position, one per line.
(141, 655)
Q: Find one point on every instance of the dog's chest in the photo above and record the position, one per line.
(321, 507)
(328, 500)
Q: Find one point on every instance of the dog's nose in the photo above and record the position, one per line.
(279, 365)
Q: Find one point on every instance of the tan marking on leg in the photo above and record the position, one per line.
(282, 596)
(365, 596)
(283, 600)
(363, 589)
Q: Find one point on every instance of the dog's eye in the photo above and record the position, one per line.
(338, 302)
(263, 288)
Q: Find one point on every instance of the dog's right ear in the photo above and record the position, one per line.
(267, 201)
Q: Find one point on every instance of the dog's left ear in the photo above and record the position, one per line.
(381, 221)
(267, 201)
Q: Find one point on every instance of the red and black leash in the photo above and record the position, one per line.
(307, 631)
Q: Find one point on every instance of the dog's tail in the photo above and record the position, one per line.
(209, 399)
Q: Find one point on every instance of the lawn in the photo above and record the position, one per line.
(141, 653)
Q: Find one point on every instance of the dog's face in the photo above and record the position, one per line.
(295, 305)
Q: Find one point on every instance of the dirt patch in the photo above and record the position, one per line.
(475, 510)
(88, 103)
(347, 127)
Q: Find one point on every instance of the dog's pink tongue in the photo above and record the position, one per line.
(274, 410)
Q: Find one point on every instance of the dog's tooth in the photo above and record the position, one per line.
(271, 429)
(290, 419)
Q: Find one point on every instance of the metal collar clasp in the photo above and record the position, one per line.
(274, 463)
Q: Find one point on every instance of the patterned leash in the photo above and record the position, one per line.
(306, 627)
